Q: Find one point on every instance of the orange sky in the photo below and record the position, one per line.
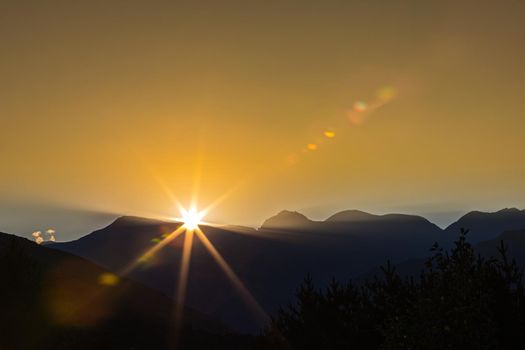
(99, 98)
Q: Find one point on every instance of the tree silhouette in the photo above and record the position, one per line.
(460, 301)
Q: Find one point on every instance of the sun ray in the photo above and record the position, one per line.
(152, 251)
(219, 200)
(249, 231)
(232, 276)
(167, 190)
(196, 185)
(182, 284)
(160, 181)
(199, 164)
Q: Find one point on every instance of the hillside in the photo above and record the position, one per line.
(66, 302)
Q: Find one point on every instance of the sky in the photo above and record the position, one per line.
(117, 107)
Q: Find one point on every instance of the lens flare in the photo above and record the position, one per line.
(386, 93)
(108, 279)
(355, 118)
(189, 221)
(292, 159)
(312, 146)
(360, 106)
(148, 255)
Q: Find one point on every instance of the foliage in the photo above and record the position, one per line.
(460, 301)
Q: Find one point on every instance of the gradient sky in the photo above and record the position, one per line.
(102, 101)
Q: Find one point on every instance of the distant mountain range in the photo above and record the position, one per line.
(273, 259)
(483, 226)
(54, 300)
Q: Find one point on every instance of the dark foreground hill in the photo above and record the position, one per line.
(54, 300)
(273, 260)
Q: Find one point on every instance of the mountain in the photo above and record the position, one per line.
(485, 226)
(287, 220)
(272, 260)
(54, 300)
(352, 216)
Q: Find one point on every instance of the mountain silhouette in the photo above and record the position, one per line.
(352, 216)
(273, 259)
(287, 220)
(66, 302)
(484, 226)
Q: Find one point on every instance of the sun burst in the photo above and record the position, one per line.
(192, 218)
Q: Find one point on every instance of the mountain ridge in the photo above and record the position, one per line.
(340, 216)
(286, 218)
(273, 259)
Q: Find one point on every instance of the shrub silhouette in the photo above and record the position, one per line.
(460, 301)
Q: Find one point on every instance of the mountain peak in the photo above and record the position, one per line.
(487, 225)
(286, 219)
(476, 214)
(509, 211)
(351, 215)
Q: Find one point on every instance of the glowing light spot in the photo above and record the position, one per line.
(38, 237)
(51, 233)
(191, 218)
(108, 279)
(155, 240)
(329, 134)
(312, 146)
(356, 118)
(360, 106)
(386, 93)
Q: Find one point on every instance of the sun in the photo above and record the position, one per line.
(192, 218)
